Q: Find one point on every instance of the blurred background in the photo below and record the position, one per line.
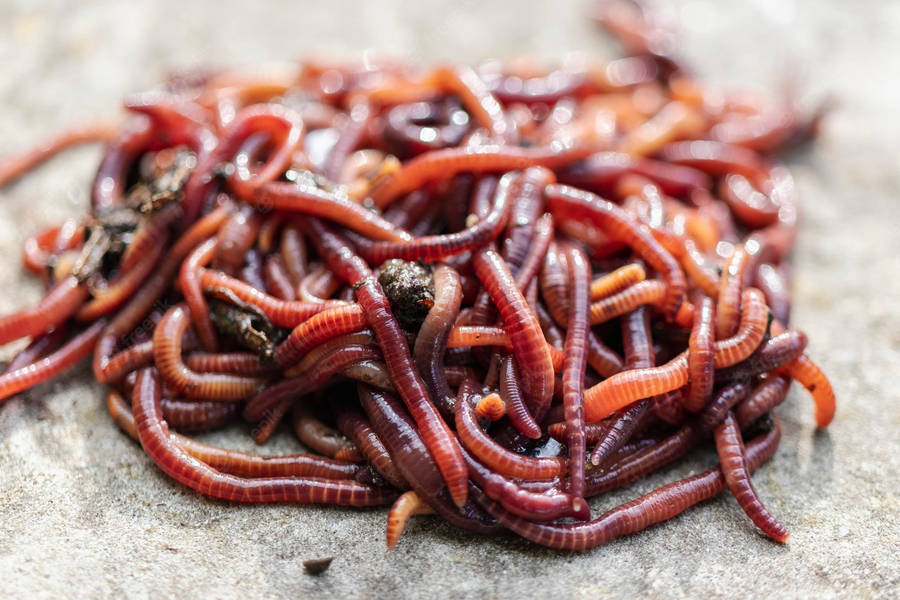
(81, 508)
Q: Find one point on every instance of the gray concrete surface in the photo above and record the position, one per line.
(84, 513)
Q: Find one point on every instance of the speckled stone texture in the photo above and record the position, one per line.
(83, 512)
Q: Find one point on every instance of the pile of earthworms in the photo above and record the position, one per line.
(488, 293)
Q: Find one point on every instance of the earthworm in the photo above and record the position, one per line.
(701, 369)
(407, 505)
(431, 341)
(574, 365)
(190, 471)
(402, 258)
(495, 456)
(732, 457)
(243, 464)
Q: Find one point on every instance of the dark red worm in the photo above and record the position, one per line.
(574, 365)
(192, 472)
(212, 200)
(734, 461)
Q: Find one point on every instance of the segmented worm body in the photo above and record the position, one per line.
(488, 293)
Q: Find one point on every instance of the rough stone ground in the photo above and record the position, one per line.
(83, 512)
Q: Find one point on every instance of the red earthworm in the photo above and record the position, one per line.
(352, 423)
(363, 337)
(730, 447)
(281, 312)
(592, 431)
(537, 249)
(750, 331)
(109, 182)
(293, 253)
(715, 158)
(809, 375)
(574, 365)
(413, 128)
(628, 386)
(635, 466)
(600, 171)
(616, 281)
(317, 436)
(771, 282)
(673, 121)
(407, 505)
(639, 354)
(80, 346)
(191, 289)
(724, 400)
(16, 166)
(697, 271)
(570, 203)
(495, 456)
(654, 507)
(651, 292)
(774, 353)
(478, 100)
(602, 358)
(194, 415)
(288, 390)
(307, 199)
(236, 363)
(768, 394)
(441, 164)
(269, 232)
(431, 341)
(554, 283)
(234, 462)
(465, 336)
(121, 364)
(409, 211)
(437, 247)
(669, 407)
(167, 350)
(491, 407)
(511, 393)
(413, 459)
(59, 304)
(700, 357)
(527, 194)
(318, 285)
(37, 348)
(528, 344)
(537, 506)
(38, 249)
(285, 131)
(277, 279)
(319, 328)
(373, 373)
(360, 115)
(547, 89)
(749, 205)
(730, 288)
(236, 236)
(184, 468)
